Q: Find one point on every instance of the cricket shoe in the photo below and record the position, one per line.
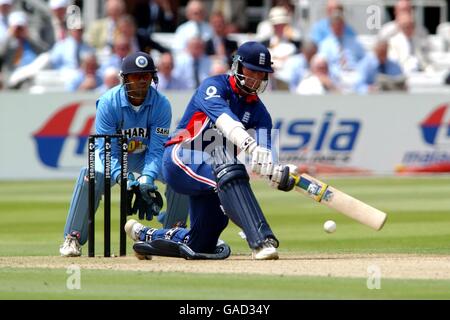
(71, 246)
(133, 229)
(267, 251)
(138, 232)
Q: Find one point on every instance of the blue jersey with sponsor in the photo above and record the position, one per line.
(215, 96)
(147, 130)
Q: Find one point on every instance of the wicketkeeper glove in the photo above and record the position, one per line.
(132, 189)
(281, 177)
(148, 202)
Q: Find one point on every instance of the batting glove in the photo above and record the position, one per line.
(262, 163)
(281, 177)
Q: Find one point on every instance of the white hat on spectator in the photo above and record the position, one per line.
(17, 18)
(2, 2)
(56, 4)
(279, 15)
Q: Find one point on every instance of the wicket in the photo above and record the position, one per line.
(123, 142)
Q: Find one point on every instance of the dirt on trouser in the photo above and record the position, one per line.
(398, 266)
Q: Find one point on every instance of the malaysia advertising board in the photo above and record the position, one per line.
(61, 141)
(434, 130)
(326, 139)
(323, 142)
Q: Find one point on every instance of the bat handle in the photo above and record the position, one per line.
(314, 188)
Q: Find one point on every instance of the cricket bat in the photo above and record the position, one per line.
(340, 201)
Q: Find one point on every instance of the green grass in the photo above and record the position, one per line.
(103, 284)
(33, 216)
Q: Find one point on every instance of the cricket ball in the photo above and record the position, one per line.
(329, 226)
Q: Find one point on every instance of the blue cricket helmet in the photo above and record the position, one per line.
(254, 56)
(138, 62)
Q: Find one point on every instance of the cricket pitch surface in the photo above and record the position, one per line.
(395, 266)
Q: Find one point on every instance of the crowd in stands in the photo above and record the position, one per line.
(327, 58)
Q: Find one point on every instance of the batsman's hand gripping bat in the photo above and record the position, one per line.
(340, 201)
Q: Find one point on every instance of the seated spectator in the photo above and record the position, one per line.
(87, 78)
(110, 80)
(281, 42)
(218, 67)
(196, 26)
(374, 67)
(265, 29)
(193, 65)
(340, 49)
(167, 80)
(322, 28)
(17, 49)
(100, 34)
(155, 16)
(392, 28)
(53, 28)
(297, 65)
(140, 41)
(121, 48)
(443, 31)
(5, 9)
(220, 46)
(408, 48)
(318, 80)
(233, 11)
(66, 54)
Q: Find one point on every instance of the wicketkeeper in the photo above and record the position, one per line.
(141, 113)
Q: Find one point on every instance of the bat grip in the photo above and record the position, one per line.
(315, 189)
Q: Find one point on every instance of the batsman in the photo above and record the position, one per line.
(143, 114)
(201, 161)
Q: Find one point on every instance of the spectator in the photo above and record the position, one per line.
(139, 40)
(196, 26)
(5, 9)
(293, 9)
(218, 66)
(322, 28)
(296, 66)
(193, 66)
(54, 28)
(374, 66)
(220, 46)
(101, 32)
(87, 78)
(407, 48)
(265, 29)
(17, 49)
(340, 49)
(121, 49)
(234, 13)
(281, 43)
(155, 16)
(66, 54)
(110, 80)
(319, 80)
(167, 80)
(443, 32)
(391, 28)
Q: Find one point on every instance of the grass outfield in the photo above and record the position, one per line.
(33, 216)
